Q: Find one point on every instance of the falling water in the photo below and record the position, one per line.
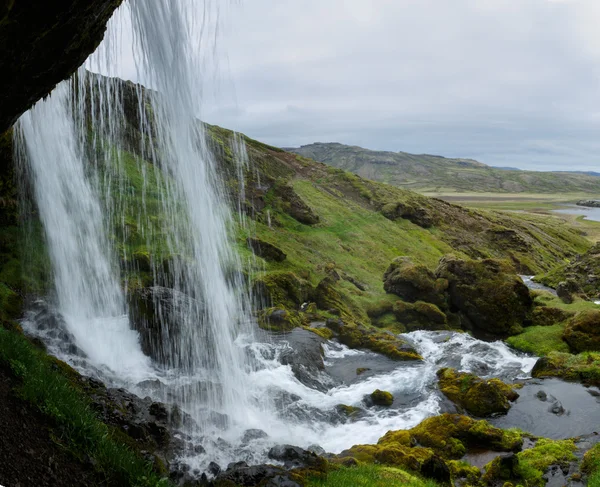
(86, 280)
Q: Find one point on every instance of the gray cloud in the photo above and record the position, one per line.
(508, 82)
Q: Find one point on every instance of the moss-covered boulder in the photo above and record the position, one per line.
(293, 205)
(488, 294)
(279, 319)
(381, 398)
(582, 333)
(360, 336)
(584, 367)
(420, 316)
(414, 282)
(435, 443)
(282, 288)
(549, 316)
(477, 396)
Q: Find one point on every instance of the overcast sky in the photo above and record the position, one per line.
(507, 82)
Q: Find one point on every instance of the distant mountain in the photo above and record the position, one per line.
(431, 173)
(506, 168)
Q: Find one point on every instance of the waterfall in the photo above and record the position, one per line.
(79, 150)
(87, 284)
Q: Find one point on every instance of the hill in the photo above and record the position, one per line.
(428, 173)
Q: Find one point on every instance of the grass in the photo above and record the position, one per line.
(75, 425)
(370, 476)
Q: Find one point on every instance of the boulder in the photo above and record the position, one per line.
(279, 319)
(582, 333)
(282, 288)
(157, 313)
(420, 316)
(477, 396)
(381, 398)
(548, 316)
(488, 295)
(305, 356)
(413, 282)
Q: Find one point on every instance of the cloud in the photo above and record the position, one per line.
(509, 82)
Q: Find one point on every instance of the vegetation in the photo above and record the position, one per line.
(44, 385)
(370, 475)
(429, 173)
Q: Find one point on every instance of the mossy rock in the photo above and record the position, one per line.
(414, 282)
(382, 398)
(267, 251)
(420, 316)
(548, 316)
(282, 288)
(451, 435)
(584, 367)
(359, 336)
(279, 319)
(294, 206)
(477, 396)
(582, 333)
(487, 293)
(417, 215)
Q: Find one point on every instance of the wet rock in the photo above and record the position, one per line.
(253, 434)
(305, 356)
(478, 396)
(242, 475)
(316, 449)
(541, 395)
(381, 398)
(557, 408)
(294, 457)
(214, 468)
(282, 289)
(265, 250)
(157, 314)
(420, 316)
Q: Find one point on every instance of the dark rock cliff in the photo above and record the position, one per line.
(42, 43)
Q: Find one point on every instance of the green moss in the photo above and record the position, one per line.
(582, 333)
(477, 396)
(584, 367)
(382, 398)
(282, 288)
(420, 316)
(369, 475)
(534, 462)
(279, 319)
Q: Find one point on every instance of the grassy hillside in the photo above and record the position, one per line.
(429, 173)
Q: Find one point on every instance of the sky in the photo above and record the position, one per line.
(507, 82)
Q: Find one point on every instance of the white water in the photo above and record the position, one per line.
(87, 283)
(80, 204)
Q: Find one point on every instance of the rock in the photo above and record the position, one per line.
(279, 319)
(316, 449)
(488, 294)
(43, 43)
(548, 316)
(294, 457)
(381, 398)
(265, 250)
(214, 468)
(557, 408)
(589, 203)
(420, 316)
(541, 395)
(477, 396)
(253, 434)
(282, 289)
(157, 313)
(413, 282)
(565, 291)
(582, 333)
(240, 474)
(305, 356)
(435, 468)
(359, 336)
(417, 215)
(293, 205)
